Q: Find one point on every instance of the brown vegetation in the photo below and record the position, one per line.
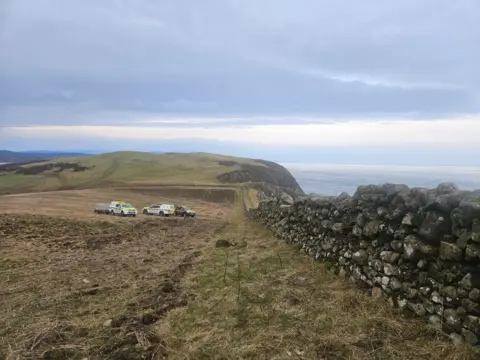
(74, 289)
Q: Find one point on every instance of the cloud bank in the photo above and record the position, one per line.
(306, 73)
(338, 134)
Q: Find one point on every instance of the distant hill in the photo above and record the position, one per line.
(127, 168)
(7, 156)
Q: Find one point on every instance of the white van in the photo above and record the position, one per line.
(159, 209)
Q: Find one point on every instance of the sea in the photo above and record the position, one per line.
(326, 179)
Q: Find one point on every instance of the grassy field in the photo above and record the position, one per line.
(78, 285)
(124, 169)
(262, 299)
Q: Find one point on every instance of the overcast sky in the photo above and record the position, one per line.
(367, 81)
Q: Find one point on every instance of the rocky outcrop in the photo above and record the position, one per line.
(418, 247)
(266, 172)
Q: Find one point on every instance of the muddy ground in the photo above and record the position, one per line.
(76, 285)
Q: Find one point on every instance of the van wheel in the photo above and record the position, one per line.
(145, 212)
(122, 213)
(161, 213)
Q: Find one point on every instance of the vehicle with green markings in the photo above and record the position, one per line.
(121, 208)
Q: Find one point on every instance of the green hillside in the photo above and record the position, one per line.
(137, 168)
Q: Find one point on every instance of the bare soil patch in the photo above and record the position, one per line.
(79, 285)
(250, 198)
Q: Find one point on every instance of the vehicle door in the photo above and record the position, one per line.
(117, 208)
(163, 208)
(153, 210)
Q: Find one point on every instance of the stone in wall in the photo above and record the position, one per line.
(420, 246)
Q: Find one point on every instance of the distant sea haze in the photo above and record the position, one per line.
(334, 179)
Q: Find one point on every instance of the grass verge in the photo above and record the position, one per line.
(263, 299)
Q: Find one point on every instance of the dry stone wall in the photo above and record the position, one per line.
(418, 247)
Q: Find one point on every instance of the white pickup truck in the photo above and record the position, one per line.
(116, 208)
(159, 209)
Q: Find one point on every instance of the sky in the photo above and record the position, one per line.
(312, 81)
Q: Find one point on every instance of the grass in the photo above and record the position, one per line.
(125, 169)
(263, 299)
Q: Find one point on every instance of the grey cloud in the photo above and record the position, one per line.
(69, 59)
(251, 93)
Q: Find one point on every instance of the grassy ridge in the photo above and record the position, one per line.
(124, 168)
(14, 156)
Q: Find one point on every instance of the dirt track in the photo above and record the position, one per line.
(64, 275)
